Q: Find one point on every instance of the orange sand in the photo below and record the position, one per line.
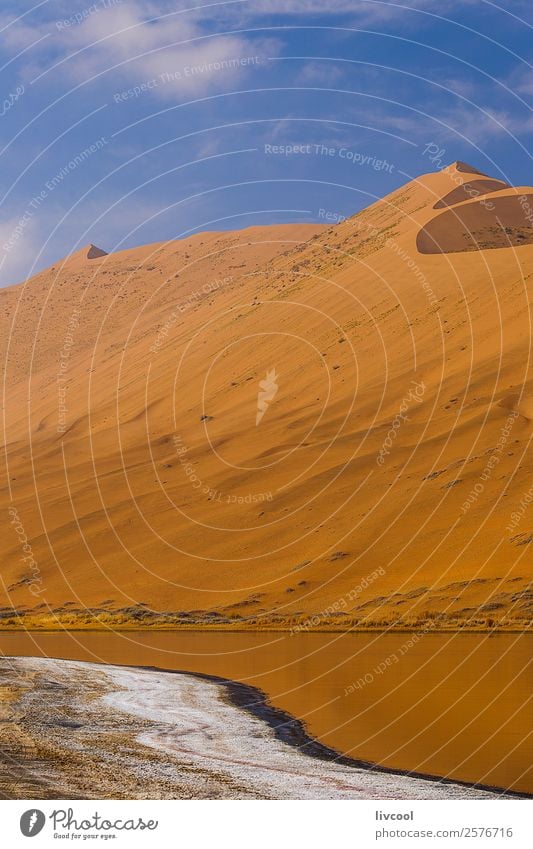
(141, 480)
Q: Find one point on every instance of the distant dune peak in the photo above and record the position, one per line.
(95, 252)
(465, 168)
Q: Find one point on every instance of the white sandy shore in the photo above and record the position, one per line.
(191, 721)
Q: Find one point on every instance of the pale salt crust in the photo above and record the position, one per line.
(193, 721)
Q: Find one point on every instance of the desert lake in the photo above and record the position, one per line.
(449, 705)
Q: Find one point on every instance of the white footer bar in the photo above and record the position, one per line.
(268, 825)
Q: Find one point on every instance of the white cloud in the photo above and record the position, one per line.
(18, 240)
(482, 125)
(145, 49)
(371, 9)
(476, 124)
(461, 86)
(138, 42)
(521, 80)
(17, 35)
(365, 12)
(318, 73)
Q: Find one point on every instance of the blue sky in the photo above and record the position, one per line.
(130, 122)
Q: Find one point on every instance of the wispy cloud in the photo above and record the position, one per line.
(478, 125)
(364, 12)
(484, 124)
(138, 42)
(521, 80)
(318, 73)
(460, 85)
(369, 9)
(18, 238)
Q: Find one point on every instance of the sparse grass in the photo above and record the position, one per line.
(427, 620)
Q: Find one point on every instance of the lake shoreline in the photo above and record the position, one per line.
(430, 705)
(245, 756)
(123, 628)
(293, 731)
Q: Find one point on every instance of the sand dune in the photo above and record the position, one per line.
(380, 481)
(465, 168)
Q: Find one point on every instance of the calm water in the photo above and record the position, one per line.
(449, 705)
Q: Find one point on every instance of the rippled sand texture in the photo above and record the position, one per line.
(80, 730)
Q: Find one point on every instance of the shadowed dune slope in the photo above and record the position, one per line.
(467, 191)
(278, 423)
(501, 222)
